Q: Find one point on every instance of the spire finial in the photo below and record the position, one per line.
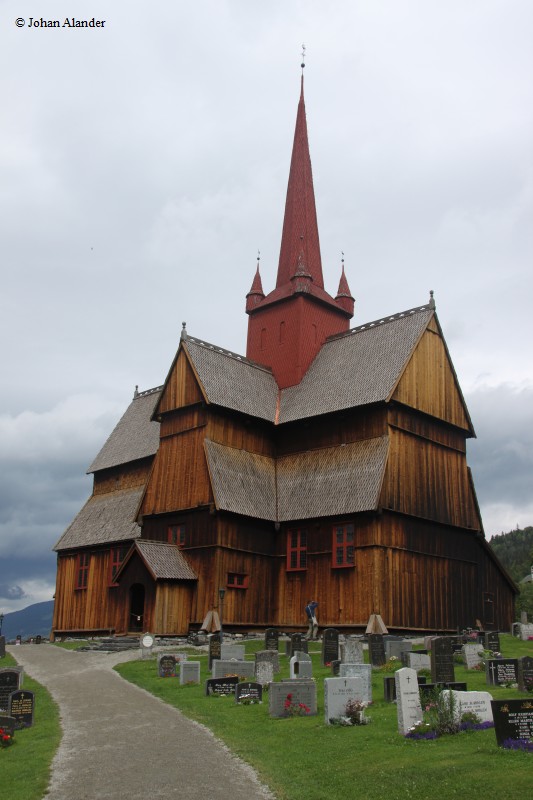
(258, 257)
(183, 330)
(303, 58)
(431, 299)
(136, 392)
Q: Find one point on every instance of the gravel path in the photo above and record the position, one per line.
(122, 742)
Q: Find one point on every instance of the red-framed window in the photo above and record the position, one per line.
(343, 546)
(116, 557)
(296, 549)
(82, 570)
(237, 580)
(176, 535)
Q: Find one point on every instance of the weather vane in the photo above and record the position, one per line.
(303, 56)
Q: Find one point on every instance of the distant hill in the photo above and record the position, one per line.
(30, 621)
(515, 551)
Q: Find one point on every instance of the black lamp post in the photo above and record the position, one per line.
(1, 623)
(221, 593)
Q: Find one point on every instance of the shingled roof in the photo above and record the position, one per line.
(165, 562)
(105, 518)
(354, 369)
(134, 436)
(318, 483)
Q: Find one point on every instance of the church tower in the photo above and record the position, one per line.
(287, 327)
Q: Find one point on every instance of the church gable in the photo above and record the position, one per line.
(182, 387)
(429, 384)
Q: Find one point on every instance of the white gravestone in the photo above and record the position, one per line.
(472, 702)
(408, 699)
(473, 654)
(189, 672)
(418, 661)
(337, 692)
(362, 671)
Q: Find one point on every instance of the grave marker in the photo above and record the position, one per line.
(513, 719)
(442, 668)
(492, 641)
(296, 692)
(272, 639)
(264, 672)
(243, 669)
(330, 646)
(501, 671)
(408, 707)
(525, 673)
(230, 651)
(300, 668)
(472, 702)
(337, 692)
(417, 660)
(21, 706)
(473, 655)
(9, 682)
(8, 724)
(2, 646)
(166, 666)
(361, 671)
(250, 691)
(376, 649)
(189, 672)
(214, 649)
(221, 685)
(352, 651)
(268, 657)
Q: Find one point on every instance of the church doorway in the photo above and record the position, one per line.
(136, 607)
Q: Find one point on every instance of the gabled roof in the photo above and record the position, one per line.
(357, 368)
(318, 483)
(134, 436)
(104, 519)
(232, 381)
(164, 562)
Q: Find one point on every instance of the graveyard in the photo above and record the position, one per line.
(279, 705)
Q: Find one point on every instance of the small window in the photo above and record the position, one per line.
(117, 556)
(296, 550)
(82, 571)
(237, 580)
(176, 535)
(343, 546)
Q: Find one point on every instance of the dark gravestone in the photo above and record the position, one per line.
(221, 685)
(389, 687)
(9, 682)
(376, 649)
(336, 667)
(249, 691)
(21, 708)
(167, 666)
(492, 641)
(513, 719)
(297, 643)
(8, 724)
(38, 639)
(442, 669)
(501, 671)
(330, 646)
(525, 674)
(2, 646)
(215, 649)
(271, 639)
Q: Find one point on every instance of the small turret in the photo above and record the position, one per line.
(344, 296)
(256, 294)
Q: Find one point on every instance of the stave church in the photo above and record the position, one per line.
(329, 462)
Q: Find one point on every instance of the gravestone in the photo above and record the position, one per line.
(395, 647)
(229, 651)
(221, 685)
(525, 673)
(189, 672)
(389, 687)
(300, 668)
(214, 649)
(296, 641)
(250, 691)
(417, 660)
(147, 644)
(408, 705)
(526, 632)
(523, 617)
(428, 689)
(492, 641)
(442, 668)
(243, 669)
(272, 639)
(2, 646)
(337, 692)
(473, 655)
(269, 657)
(18, 640)
(21, 706)
(330, 646)
(166, 666)
(472, 703)
(501, 671)
(352, 650)
(8, 724)
(9, 682)
(376, 649)
(38, 639)
(296, 692)
(264, 672)
(364, 673)
(336, 668)
(513, 719)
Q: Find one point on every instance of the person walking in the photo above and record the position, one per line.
(310, 612)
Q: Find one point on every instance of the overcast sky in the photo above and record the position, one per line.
(143, 164)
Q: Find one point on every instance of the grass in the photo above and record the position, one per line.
(25, 766)
(305, 759)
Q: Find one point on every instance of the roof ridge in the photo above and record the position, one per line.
(147, 392)
(228, 353)
(381, 321)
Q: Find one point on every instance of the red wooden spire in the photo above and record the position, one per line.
(344, 296)
(256, 293)
(300, 227)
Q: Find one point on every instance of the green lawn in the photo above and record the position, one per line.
(304, 759)
(25, 766)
